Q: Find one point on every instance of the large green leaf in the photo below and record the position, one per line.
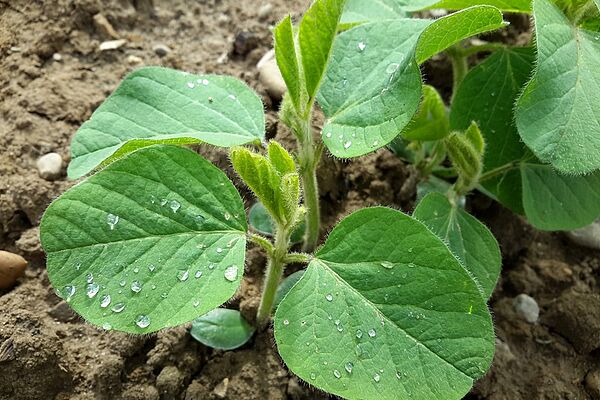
(318, 29)
(486, 96)
(447, 31)
(504, 5)
(373, 84)
(372, 87)
(359, 11)
(557, 115)
(468, 239)
(222, 329)
(554, 201)
(385, 311)
(159, 105)
(154, 240)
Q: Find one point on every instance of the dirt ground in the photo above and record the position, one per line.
(52, 76)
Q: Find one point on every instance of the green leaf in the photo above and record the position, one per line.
(159, 105)
(554, 201)
(222, 329)
(360, 11)
(431, 121)
(556, 114)
(486, 96)
(317, 33)
(372, 87)
(281, 159)
(285, 53)
(504, 5)
(454, 28)
(261, 222)
(285, 286)
(468, 239)
(385, 311)
(162, 232)
(466, 157)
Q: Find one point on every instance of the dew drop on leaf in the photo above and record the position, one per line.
(196, 303)
(89, 278)
(190, 85)
(392, 68)
(106, 326)
(92, 290)
(387, 264)
(136, 286)
(198, 274)
(143, 321)
(372, 333)
(376, 377)
(118, 307)
(286, 322)
(68, 292)
(183, 275)
(359, 333)
(349, 367)
(329, 297)
(112, 220)
(105, 301)
(337, 374)
(231, 273)
(313, 376)
(362, 46)
(174, 205)
(151, 267)
(347, 145)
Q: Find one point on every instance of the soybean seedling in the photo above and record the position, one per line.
(156, 237)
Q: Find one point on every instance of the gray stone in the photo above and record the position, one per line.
(270, 76)
(588, 236)
(527, 308)
(161, 50)
(50, 166)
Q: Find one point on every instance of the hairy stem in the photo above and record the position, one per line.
(498, 171)
(460, 65)
(275, 266)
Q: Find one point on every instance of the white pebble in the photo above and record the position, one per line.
(527, 308)
(49, 166)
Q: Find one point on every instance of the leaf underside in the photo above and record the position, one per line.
(385, 311)
(557, 115)
(468, 239)
(160, 232)
(160, 105)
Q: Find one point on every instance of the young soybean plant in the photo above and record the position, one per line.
(157, 236)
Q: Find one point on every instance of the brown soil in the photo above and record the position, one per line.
(47, 352)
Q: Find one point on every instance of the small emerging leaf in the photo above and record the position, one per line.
(160, 105)
(281, 159)
(466, 156)
(431, 121)
(557, 115)
(261, 222)
(287, 60)
(222, 329)
(468, 239)
(385, 311)
(154, 240)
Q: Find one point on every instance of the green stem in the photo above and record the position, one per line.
(460, 66)
(262, 242)
(469, 51)
(297, 258)
(273, 276)
(498, 171)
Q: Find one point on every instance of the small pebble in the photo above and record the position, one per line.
(270, 76)
(50, 166)
(12, 267)
(527, 308)
(588, 236)
(265, 11)
(244, 43)
(134, 60)
(112, 44)
(57, 57)
(220, 390)
(161, 50)
(104, 28)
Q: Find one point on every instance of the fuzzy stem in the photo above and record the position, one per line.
(497, 171)
(460, 66)
(273, 276)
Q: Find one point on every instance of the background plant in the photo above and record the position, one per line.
(157, 237)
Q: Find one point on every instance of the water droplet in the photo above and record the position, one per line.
(112, 220)
(328, 134)
(313, 376)
(375, 143)
(106, 326)
(122, 282)
(190, 85)
(340, 328)
(151, 267)
(196, 303)
(92, 290)
(68, 292)
(163, 295)
(174, 205)
(347, 144)
(337, 322)
(136, 270)
(143, 321)
(387, 264)
(359, 333)
(198, 274)
(372, 333)
(227, 216)
(205, 82)
(136, 286)
(77, 266)
(376, 377)
(118, 307)
(232, 97)
(337, 374)
(349, 367)
(210, 99)
(183, 275)
(398, 375)
(231, 273)
(211, 266)
(219, 250)
(392, 68)
(411, 265)
(163, 202)
(199, 219)
(329, 297)
(362, 46)
(286, 322)
(105, 301)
